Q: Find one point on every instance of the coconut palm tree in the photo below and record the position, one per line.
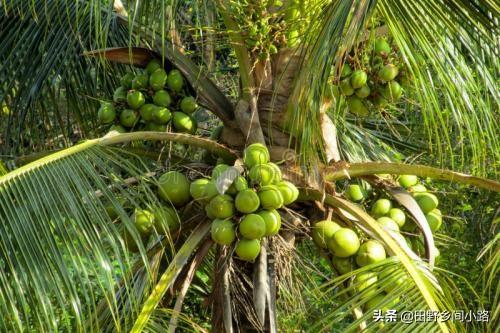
(268, 71)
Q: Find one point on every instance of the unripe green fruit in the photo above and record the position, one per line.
(143, 221)
(366, 282)
(381, 46)
(120, 95)
(153, 65)
(128, 118)
(409, 226)
(379, 101)
(255, 154)
(248, 249)
(106, 113)
(209, 212)
(188, 104)
(398, 216)
(222, 231)
(252, 226)
(130, 242)
(277, 172)
(173, 187)
(135, 99)
(218, 170)
(373, 302)
(355, 192)
(156, 127)
(166, 219)
(158, 79)
(345, 87)
(126, 80)
(437, 254)
(162, 98)
(197, 188)
(388, 224)
(435, 219)
(239, 184)
(141, 81)
(346, 71)
(183, 123)
(161, 115)
(358, 79)
(357, 107)
(370, 252)
(407, 180)
(392, 278)
(117, 128)
(416, 189)
(147, 111)
(247, 201)
(288, 191)
(381, 207)
(388, 72)
(210, 190)
(222, 206)
(392, 91)
(270, 197)
(427, 202)
(332, 92)
(363, 92)
(342, 265)
(322, 231)
(272, 220)
(175, 81)
(262, 174)
(344, 243)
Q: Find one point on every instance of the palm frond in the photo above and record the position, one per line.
(491, 274)
(59, 249)
(56, 237)
(372, 168)
(334, 31)
(455, 89)
(46, 83)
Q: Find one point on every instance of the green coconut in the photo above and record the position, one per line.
(255, 154)
(252, 226)
(344, 243)
(370, 252)
(173, 187)
(322, 231)
(247, 201)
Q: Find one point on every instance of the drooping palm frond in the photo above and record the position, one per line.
(60, 251)
(46, 83)
(56, 236)
(455, 89)
(456, 98)
(491, 275)
(354, 305)
(333, 31)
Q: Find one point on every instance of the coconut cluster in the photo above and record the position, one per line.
(394, 218)
(248, 210)
(150, 100)
(352, 249)
(375, 81)
(162, 218)
(173, 191)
